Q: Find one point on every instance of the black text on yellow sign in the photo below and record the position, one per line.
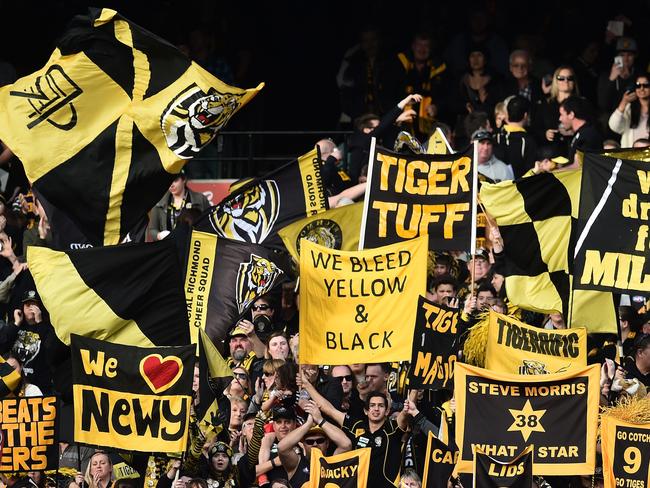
(347, 470)
(360, 305)
(626, 453)
(131, 398)
(29, 435)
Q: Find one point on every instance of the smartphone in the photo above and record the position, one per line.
(618, 61)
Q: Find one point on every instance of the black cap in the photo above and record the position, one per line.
(552, 153)
(30, 296)
(482, 135)
(220, 447)
(626, 44)
(284, 413)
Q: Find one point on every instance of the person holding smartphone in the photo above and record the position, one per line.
(630, 119)
(612, 84)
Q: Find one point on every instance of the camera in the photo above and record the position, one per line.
(263, 325)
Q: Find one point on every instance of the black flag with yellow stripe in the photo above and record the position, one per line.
(258, 208)
(129, 294)
(536, 217)
(116, 111)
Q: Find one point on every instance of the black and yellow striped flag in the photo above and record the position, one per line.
(9, 378)
(536, 217)
(116, 111)
(130, 294)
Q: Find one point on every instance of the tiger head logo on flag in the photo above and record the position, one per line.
(193, 118)
(250, 215)
(255, 278)
(325, 232)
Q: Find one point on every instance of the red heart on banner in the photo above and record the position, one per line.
(160, 373)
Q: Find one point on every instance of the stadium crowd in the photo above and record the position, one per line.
(527, 117)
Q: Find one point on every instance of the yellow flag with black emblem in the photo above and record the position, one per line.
(503, 413)
(337, 228)
(626, 452)
(103, 127)
(257, 208)
(131, 398)
(360, 306)
(347, 470)
(518, 348)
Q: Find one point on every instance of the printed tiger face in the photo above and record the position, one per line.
(255, 278)
(251, 215)
(531, 367)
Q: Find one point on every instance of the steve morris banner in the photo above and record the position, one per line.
(613, 232)
(28, 434)
(626, 453)
(518, 348)
(434, 354)
(131, 398)
(503, 413)
(413, 195)
(360, 306)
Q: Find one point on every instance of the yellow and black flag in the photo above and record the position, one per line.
(130, 294)
(213, 372)
(224, 278)
(131, 398)
(10, 379)
(492, 473)
(103, 127)
(536, 217)
(337, 228)
(503, 413)
(439, 463)
(347, 470)
(258, 208)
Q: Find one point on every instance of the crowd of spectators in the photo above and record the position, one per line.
(527, 114)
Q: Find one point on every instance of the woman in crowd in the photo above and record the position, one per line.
(99, 473)
(630, 119)
(546, 123)
(278, 346)
(240, 386)
(26, 389)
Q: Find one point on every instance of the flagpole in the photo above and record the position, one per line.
(474, 203)
(366, 200)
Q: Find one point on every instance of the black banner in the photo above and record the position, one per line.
(491, 473)
(439, 463)
(613, 225)
(28, 434)
(411, 195)
(434, 352)
(503, 413)
(131, 398)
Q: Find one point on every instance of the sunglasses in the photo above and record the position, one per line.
(564, 78)
(347, 377)
(267, 374)
(643, 85)
(519, 65)
(241, 376)
(264, 306)
(315, 441)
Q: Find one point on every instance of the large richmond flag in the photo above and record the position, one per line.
(115, 112)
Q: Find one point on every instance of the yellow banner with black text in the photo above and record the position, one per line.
(360, 307)
(131, 398)
(503, 413)
(518, 348)
(347, 470)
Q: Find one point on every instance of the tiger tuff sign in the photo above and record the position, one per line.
(360, 306)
